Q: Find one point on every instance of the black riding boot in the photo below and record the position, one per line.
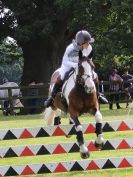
(55, 90)
(102, 99)
(100, 96)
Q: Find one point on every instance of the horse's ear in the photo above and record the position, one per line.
(80, 54)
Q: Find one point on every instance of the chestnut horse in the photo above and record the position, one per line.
(80, 94)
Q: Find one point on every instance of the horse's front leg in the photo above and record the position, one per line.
(83, 149)
(100, 140)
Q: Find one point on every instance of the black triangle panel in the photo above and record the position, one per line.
(10, 153)
(108, 146)
(9, 135)
(74, 148)
(108, 164)
(108, 128)
(72, 131)
(42, 133)
(43, 151)
(43, 169)
(11, 172)
(76, 167)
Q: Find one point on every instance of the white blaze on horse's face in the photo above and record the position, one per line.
(88, 77)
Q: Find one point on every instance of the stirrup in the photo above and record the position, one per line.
(48, 102)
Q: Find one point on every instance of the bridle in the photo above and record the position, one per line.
(81, 77)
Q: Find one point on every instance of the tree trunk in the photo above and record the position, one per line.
(40, 61)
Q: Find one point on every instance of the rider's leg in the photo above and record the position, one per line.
(101, 98)
(64, 70)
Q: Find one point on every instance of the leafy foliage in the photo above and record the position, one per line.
(11, 61)
(56, 21)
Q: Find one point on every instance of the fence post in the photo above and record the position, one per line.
(10, 101)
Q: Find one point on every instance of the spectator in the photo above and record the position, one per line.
(115, 82)
(127, 84)
(32, 102)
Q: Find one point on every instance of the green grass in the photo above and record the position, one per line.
(37, 120)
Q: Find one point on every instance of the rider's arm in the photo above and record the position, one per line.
(70, 57)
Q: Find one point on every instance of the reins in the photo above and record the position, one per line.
(79, 78)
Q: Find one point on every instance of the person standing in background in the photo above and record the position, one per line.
(127, 84)
(32, 102)
(115, 85)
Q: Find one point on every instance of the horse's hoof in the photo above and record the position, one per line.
(99, 146)
(85, 155)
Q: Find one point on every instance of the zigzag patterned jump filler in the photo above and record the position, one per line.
(30, 169)
(61, 130)
(32, 150)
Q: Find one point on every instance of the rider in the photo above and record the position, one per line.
(81, 43)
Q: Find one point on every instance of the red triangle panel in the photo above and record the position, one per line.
(92, 166)
(90, 129)
(123, 145)
(60, 168)
(123, 127)
(124, 163)
(26, 152)
(26, 134)
(27, 171)
(59, 150)
(58, 132)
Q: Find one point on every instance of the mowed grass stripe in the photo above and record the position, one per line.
(38, 120)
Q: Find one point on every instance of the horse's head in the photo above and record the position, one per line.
(85, 74)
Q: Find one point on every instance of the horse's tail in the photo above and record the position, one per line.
(49, 115)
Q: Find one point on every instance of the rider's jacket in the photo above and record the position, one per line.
(71, 55)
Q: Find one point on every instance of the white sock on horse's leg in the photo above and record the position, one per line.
(83, 148)
(98, 117)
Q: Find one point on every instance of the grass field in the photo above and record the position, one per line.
(37, 120)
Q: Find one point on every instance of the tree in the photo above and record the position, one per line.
(43, 28)
(115, 49)
(11, 61)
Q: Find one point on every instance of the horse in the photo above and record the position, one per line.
(5, 104)
(80, 95)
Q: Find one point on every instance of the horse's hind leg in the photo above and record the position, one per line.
(57, 119)
(99, 141)
(83, 149)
